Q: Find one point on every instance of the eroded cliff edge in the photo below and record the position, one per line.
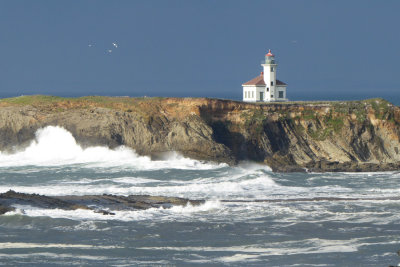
(318, 136)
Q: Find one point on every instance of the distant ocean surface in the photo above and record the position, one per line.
(288, 230)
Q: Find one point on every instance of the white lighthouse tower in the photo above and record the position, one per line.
(270, 76)
(266, 87)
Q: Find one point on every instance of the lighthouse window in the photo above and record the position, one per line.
(267, 89)
(280, 94)
(272, 82)
(272, 69)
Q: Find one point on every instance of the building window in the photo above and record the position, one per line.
(272, 83)
(272, 69)
(280, 94)
(252, 94)
(267, 89)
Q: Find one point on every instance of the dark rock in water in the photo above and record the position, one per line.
(12, 197)
(4, 209)
(97, 203)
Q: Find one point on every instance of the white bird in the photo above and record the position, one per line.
(90, 45)
(115, 45)
(109, 50)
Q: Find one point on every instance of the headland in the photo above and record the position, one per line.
(290, 136)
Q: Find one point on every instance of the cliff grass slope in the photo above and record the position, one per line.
(294, 136)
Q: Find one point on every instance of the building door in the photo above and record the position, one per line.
(261, 96)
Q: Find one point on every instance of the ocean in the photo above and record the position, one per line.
(251, 217)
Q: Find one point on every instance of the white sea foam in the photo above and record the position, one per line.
(208, 188)
(9, 245)
(306, 246)
(32, 255)
(173, 213)
(241, 185)
(55, 146)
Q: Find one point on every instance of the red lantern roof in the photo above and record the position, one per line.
(269, 53)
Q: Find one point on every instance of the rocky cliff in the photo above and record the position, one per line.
(294, 136)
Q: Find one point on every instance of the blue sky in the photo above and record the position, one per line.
(325, 49)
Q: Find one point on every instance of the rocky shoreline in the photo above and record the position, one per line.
(96, 203)
(107, 204)
(289, 137)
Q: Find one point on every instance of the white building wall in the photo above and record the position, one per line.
(251, 93)
(283, 89)
(260, 89)
(270, 76)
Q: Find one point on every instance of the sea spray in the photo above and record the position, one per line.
(292, 230)
(165, 214)
(55, 146)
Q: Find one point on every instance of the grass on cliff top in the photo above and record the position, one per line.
(131, 103)
(56, 103)
(143, 106)
(328, 102)
(47, 99)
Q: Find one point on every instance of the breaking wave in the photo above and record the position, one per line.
(55, 146)
(173, 213)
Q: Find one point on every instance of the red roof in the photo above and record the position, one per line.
(259, 80)
(269, 53)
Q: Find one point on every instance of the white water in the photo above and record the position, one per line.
(55, 146)
(241, 233)
(137, 215)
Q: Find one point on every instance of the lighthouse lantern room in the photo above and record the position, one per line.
(265, 87)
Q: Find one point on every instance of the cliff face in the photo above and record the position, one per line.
(325, 136)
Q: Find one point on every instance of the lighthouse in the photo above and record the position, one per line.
(265, 87)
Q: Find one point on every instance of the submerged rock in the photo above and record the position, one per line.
(98, 203)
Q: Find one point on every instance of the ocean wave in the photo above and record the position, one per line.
(173, 213)
(55, 146)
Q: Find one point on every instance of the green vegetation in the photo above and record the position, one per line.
(320, 134)
(381, 108)
(333, 123)
(254, 119)
(34, 99)
(308, 115)
(103, 100)
(59, 104)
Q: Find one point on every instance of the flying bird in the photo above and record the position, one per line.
(90, 45)
(109, 50)
(115, 45)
